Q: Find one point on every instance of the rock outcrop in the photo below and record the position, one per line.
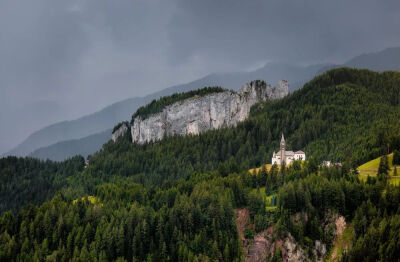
(120, 131)
(200, 113)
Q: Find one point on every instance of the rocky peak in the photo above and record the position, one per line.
(201, 113)
(260, 90)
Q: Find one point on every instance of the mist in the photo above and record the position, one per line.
(64, 59)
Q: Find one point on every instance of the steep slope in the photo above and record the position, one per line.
(200, 113)
(109, 116)
(175, 199)
(337, 116)
(102, 120)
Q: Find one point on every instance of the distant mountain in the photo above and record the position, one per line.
(79, 128)
(32, 116)
(111, 115)
(297, 75)
(388, 59)
(67, 149)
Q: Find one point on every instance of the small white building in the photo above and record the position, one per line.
(327, 163)
(286, 156)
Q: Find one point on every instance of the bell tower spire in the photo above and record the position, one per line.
(283, 149)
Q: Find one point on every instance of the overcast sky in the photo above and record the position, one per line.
(62, 59)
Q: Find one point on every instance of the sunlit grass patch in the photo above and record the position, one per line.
(370, 168)
(258, 169)
(92, 199)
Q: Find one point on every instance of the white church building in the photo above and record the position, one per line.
(286, 156)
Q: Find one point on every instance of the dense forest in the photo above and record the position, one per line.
(28, 180)
(175, 199)
(344, 115)
(193, 219)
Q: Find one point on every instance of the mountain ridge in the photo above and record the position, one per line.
(72, 129)
(226, 80)
(198, 114)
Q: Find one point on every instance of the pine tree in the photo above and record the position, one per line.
(383, 167)
(396, 157)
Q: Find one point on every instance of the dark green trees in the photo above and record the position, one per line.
(27, 180)
(174, 200)
(396, 157)
(383, 169)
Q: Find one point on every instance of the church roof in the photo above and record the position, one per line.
(287, 153)
(300, 152)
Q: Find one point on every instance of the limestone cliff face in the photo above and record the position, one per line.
(120, 131)
(198, 114)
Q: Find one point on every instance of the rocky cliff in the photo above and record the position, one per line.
(120, 130)
(200, 113)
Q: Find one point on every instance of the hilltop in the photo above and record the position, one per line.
(336, 116)
(175, 199)
(104, 119)
(195, 112)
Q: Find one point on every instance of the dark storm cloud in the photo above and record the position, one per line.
(63, 59)
(243, 31)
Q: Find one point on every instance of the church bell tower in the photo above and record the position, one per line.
(283, 150)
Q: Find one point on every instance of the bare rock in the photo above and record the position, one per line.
(119, 132)
(198, 114)
(294, 252)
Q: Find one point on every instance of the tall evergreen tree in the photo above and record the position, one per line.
(383, 166)
(396, 157)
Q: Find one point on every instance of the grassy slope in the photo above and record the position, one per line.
(370, 168)
(258, 169)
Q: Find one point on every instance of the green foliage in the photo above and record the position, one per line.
(376, 227)
(158, 105)
(383, 169)
(28, 180)
(189, 221)
(174, 200)
(337, 116)
(249, 234)
(396, 157)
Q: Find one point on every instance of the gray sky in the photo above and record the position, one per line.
(62, 59)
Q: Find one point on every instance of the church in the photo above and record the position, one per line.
(286, 156)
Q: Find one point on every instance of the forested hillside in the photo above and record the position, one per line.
(28, 180)
(344, 115)
(175, 199)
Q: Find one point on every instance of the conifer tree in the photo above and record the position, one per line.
(396, 157)
(383, 166)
